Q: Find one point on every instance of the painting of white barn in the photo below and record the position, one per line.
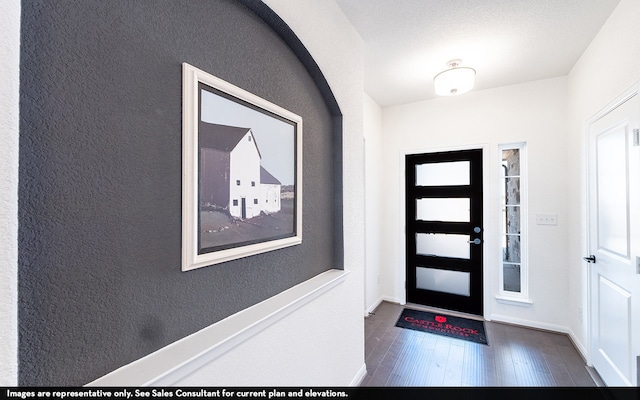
(242, 172)
(231, 176)
(240, 200)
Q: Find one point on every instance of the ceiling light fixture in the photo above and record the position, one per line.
(455, 80)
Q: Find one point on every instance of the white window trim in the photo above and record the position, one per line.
(506, 297)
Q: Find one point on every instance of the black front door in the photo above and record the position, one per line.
(444, 240)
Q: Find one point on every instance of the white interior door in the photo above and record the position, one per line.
(614, 243)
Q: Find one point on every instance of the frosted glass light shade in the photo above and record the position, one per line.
(454, 81)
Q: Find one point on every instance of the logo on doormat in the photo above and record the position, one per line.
(447, 325)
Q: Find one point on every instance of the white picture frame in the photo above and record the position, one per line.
(242, 173)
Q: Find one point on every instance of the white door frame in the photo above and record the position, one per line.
(634, 90)
(488, 228)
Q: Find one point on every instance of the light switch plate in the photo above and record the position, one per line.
(547, 219)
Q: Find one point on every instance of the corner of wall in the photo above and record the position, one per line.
(339, 53)
(9, 87)
(613, 61)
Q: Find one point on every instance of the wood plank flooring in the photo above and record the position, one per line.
(515, 356)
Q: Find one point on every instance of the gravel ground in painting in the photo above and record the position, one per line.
(219, 229)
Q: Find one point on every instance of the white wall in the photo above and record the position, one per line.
(318, 345)
(533, 112)
(609, 67)
(374, 284)
(9, 95)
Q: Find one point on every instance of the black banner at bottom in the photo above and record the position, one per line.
(273, 393)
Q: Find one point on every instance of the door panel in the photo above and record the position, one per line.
(443, 245)
(612, 184)
(614, 328)
(444, 230)
(454, 173)
(614, 243)
(440, 280)
(445, 209)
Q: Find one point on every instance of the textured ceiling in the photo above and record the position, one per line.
(407, 42)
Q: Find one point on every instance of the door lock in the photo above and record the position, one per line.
(591, 259)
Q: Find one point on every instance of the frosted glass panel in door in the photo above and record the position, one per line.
(443, 174)
(443, 245)
(447, 210)
(612, 191)
(440, 280)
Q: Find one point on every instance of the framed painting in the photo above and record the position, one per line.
(242, 173)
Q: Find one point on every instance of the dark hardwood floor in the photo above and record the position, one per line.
(515, 356)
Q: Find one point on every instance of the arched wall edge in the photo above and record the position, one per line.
(273, 20)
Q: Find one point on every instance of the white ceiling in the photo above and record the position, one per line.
(407, 42)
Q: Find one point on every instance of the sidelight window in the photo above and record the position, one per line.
(513, 272)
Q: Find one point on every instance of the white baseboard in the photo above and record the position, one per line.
(179, 359)
(579, 346)
(529, 324)
(375, 305)
(362, 373)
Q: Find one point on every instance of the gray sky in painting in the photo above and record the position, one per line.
(274, 138)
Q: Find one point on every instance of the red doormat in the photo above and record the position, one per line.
(442, 324)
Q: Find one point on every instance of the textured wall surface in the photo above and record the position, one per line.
(100, 179)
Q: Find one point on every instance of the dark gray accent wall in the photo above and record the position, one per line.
(100, 283)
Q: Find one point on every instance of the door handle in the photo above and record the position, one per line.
(475, 241)
(591, 259)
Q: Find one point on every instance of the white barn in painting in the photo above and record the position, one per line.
(231, 177)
